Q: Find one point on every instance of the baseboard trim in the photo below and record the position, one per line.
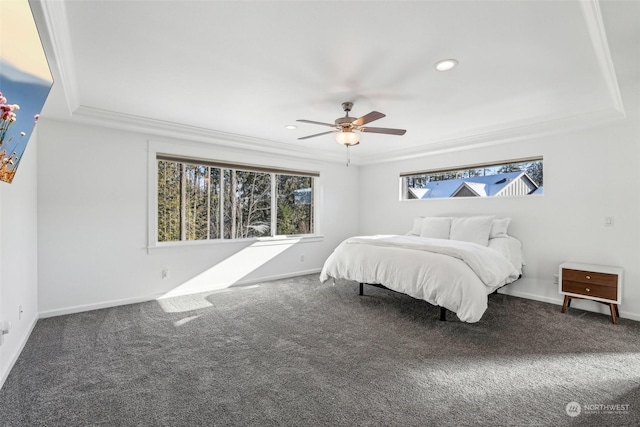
(243, 282)
(152, 297)
(530, 296)
(629, 315)
(558, 301)
(97, 306)
(279, 277)
(136, 300)
(14, 358)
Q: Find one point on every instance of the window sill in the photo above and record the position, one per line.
(255, 242)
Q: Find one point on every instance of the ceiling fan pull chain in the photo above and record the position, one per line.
(348, 155)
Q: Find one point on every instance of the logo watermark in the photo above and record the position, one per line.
(573, 409)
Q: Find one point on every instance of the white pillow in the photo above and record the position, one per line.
(499, 227)
(436, 227)
(417, 226)
(473, 229)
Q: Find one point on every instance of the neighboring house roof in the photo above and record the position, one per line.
(478, 186)
(418, 193)
(475, 188)
(539, 190)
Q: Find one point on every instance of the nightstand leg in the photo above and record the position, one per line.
(614, 310)
(566, 303)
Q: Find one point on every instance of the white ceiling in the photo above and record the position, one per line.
(237, 72)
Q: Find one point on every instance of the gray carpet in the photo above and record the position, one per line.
(299, 353)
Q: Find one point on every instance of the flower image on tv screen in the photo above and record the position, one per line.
(25, 82)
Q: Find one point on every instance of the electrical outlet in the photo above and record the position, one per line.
(165, 273)
(555, 279)
(301, 258)
(5, 327)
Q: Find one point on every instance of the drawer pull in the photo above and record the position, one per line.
(588, 290)
(588, 277)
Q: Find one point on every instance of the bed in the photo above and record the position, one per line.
(450, 262)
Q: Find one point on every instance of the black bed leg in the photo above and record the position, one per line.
(361, 289)
(443, 314)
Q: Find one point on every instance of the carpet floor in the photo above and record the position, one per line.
(296, 352)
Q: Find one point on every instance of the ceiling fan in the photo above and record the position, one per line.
(347, 128)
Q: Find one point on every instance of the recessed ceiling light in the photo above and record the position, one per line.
(445, 65)
(291, 127)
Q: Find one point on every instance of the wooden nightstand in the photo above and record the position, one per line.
(599, 283)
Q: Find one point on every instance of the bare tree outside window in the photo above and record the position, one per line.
(247, 204)
(295, 204)
(204, 202)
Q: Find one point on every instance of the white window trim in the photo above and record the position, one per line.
(402, 184)
(198, 151)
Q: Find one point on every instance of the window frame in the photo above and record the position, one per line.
(403, 189)
(161, 151)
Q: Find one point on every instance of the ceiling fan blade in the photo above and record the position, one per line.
(317, 123)
(388, 131)
(317, 134)
(368, 118)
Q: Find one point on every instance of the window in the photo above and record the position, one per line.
(205, 200)
(513, 178)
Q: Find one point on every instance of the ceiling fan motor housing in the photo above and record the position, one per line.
(347, 106)
(344, 122)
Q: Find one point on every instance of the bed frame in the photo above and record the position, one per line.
(443, 311)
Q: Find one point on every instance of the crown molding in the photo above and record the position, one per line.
(595, 27)
(481, 138)
(54, 31)
(514, 132)
(52, 15)
(147, 126)
(506, 135)
(57, 41)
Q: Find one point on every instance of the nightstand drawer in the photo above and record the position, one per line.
(590, 289)
(590, 277)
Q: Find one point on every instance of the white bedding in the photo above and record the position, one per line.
(452, 274)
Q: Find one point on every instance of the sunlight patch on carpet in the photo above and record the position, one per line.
(231, 270)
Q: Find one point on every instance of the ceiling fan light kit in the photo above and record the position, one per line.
(348, 137)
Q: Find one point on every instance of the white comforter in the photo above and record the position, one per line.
(448, 273)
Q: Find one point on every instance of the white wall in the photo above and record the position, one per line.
(588, 175)
(93, 221)
(93, 214)
(18, 257)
